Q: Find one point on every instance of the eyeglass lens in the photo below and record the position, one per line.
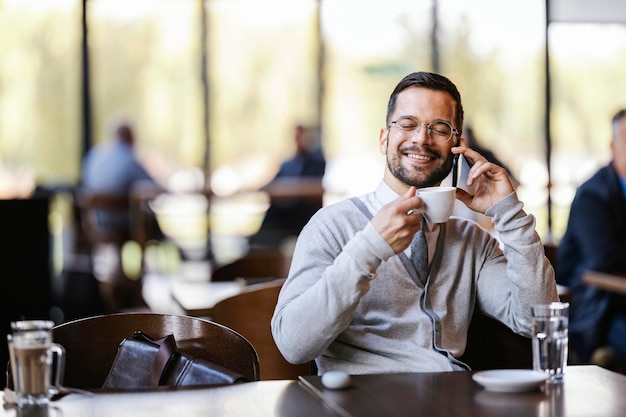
(438, 131)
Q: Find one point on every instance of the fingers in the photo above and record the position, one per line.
(490, 182)
(398, 221)
(464, 197)
(410, 204)
(470, 155)
(479, 166)
(479, 169)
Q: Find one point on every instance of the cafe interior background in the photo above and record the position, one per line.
(215, 88)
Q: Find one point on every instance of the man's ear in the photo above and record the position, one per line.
(382, 140)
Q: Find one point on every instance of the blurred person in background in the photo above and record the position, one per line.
(116, 226)
(595, 239)
(113, 168)
(287, 215)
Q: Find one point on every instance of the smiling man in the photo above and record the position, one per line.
(354, 301)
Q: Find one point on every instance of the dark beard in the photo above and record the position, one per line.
(419, 179)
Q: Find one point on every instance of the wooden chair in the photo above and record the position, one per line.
(88, 204)
(117, 290)
(258, 265)
(551, 250)
(91, 344)
(250, 313)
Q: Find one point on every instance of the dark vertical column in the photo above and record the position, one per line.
(547, 121)
(321, 64)
(86, 91)
(204, 75)
(434, 42)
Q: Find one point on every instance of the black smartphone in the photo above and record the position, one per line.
(455, 169)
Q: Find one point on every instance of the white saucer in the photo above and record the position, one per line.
(510, 380)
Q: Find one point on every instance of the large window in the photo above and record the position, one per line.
(495, 52)
(589, 87)
(145, 66)
(241, 75)
(366, 57)
(39, 94)
(263, 81)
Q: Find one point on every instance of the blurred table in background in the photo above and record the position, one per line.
(608, 282)
(173, 294)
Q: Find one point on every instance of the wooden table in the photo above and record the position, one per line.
(301, 188)
(608, 282)
(588, 391)
(264, 398)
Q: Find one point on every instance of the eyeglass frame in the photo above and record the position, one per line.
(453, 130)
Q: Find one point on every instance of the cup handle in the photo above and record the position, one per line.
(59, 371)
(9, 374)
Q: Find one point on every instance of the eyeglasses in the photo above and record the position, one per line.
(439, 131)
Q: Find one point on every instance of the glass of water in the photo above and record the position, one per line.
(550, 339)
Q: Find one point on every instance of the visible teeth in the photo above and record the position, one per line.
(415, 156)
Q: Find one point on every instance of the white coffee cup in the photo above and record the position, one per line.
(439, 203)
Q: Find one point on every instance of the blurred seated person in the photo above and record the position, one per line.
(287, 215)
(595, 239)
(113, 168)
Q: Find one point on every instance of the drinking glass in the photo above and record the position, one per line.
(31, 352)
(550, 339)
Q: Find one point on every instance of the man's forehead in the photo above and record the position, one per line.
(424, 100)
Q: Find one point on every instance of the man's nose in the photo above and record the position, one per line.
(421, 133)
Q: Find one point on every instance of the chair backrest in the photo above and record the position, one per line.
(250, 313)
(91, 343)
(270, 264)
(551, 250)
(89, 203)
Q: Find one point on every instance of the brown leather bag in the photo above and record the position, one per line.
(143, 362)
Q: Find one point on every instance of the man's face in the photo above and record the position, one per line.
(418, 160)
(618, 147)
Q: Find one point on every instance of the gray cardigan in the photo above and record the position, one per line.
(350, 303)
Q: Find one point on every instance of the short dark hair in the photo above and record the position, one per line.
(616, 118)
(125, 134)
(430, 81)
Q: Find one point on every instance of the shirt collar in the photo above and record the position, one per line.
(384, 194)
